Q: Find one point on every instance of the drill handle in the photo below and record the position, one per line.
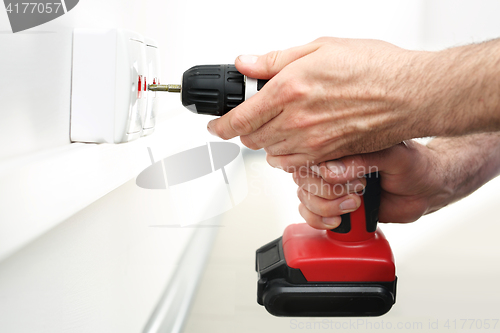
(361, 224)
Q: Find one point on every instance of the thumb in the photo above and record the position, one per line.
(268, 65)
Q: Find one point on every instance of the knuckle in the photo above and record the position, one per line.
(278, 151)
(279, 162)
(297, 121)
(311, 220)
(272, 60)
(312, 188)
(260, 137)
(314, 143)
(325, 209)
(295, 90)
(303, 173)
(299, 89)
(305, 198)
(330, 193)
(240, 123)
(270, 160)
(299, 193)
(272, 151)
(323, 39)
(315, 222)
(362, 166)
(274, 161)
(359, 160)
(286, 166)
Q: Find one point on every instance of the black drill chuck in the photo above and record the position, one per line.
(212, 89)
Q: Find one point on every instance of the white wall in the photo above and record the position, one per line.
(102, 270)
(448, 23)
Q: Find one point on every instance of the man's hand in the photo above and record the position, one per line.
(410, 179)
(338, 97)
(326, 99)
(415, 179)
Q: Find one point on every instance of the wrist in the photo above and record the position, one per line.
(415, 94)
(441, 187)
(463, 164)
(459, 91)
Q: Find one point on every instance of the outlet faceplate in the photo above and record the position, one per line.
(153, 64)
(109, 101)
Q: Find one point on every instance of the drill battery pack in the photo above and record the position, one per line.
(345, 272)
(285, 291)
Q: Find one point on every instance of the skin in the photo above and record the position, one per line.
(339, 97)
(415, 179)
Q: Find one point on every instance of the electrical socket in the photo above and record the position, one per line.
(109, 102)
(153, 64)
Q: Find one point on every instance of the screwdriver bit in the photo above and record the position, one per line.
(165, 87)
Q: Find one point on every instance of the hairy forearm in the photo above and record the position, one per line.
(465, 164)
(458, 91)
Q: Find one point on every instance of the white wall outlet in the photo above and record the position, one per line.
(153, 63)
(109, 86)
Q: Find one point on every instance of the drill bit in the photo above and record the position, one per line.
(165, 87)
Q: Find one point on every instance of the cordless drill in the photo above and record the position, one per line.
(346, 271)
